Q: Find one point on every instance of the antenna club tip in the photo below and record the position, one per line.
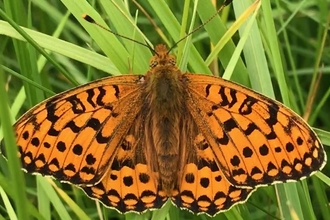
(88, 18)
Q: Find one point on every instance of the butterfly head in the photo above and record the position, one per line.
(162, 58)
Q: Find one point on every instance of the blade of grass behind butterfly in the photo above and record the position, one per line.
(7, 205)
(54, 44)
(53, 191)
(173, 28)
(59, 46)
(320, 193)
(184, 47)
(253, 51)
(7, 186)
(182, 55)
(40, 39)
(15, 13)
(75, 28)
(162, 213)
(125, 25)
(215, 30)
(324, 179)
(54, 14)
(174, 213)
(290, 55)
(17, 180)
(244, 37)
(58, 205)
(274, 52)
(317, 70)
(108, 42)
(324, 136)
(150, 21)
(33, 45)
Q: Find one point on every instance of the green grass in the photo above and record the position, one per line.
(284, 50)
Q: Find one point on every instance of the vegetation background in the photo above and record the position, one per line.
(285, 55)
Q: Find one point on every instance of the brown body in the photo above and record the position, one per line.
(165, 100)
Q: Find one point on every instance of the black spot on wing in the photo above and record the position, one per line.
(100, 97)
(77, 106)
(90, 96)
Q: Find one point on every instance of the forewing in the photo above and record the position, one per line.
(74, 135)
(255, 140)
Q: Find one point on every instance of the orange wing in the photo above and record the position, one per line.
(254, 140)
(129, 185)
(74, 135)
(203, 187)
(132, 182)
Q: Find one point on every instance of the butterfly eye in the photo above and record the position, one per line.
(153, 64)
(172, 61)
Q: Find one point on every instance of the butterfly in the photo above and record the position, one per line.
(133, 142)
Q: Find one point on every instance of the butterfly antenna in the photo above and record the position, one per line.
(224, 4)
(91, 20)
